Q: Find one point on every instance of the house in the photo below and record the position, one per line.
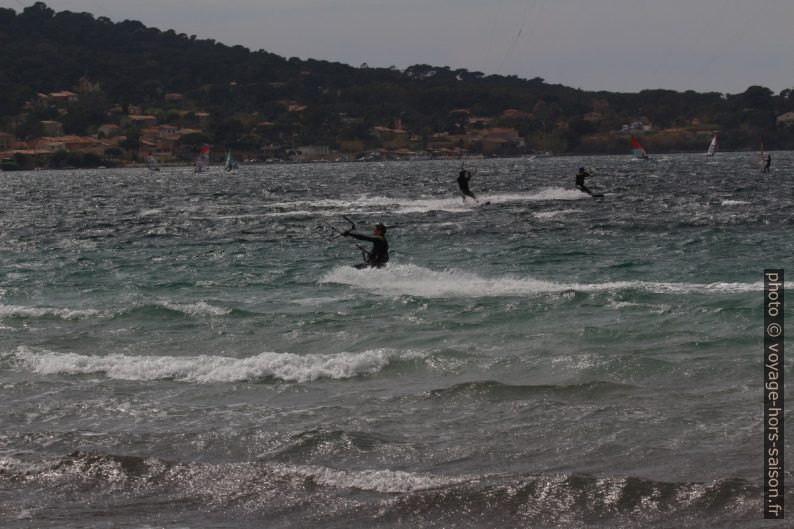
(592, 117)
(480, 121)
(63, 97)
(58, 97)
(173, 97)
(139, 121)
(312, 152)
(185, 132)
(7, 141)
(495, 145)
(387, 133)
(512, 113)
(500, 133)
(273, 151)
(69, 143)
(162, 138)
(168, 130)
(439, 140)
(83, 144)
(47, 144)
(108, 130)
(149, 134)
(51, 128)
(168, 143)
(497, 140)
(786, 119)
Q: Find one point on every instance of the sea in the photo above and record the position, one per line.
(196, 351)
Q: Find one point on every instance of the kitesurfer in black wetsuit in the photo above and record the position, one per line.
(378, 256)
(580, 176)
(463, 182)
(767, 163)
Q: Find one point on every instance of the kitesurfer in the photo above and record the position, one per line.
(580, 176)
(378, 256)
(463, 182)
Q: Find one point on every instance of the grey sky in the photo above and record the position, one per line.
(620, 45)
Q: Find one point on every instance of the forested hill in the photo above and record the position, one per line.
(42, 51)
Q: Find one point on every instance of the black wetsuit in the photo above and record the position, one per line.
(378, 256)
(767, 164)
(580, 176)
(463, 182)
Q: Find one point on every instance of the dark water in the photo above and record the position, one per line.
(191, 351)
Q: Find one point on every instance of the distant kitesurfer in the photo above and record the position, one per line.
(378, 256)
(580, 176)
(463, 182)
(767, 163)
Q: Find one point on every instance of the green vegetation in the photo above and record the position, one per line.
(254, 98)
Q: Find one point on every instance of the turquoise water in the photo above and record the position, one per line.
(186, 350)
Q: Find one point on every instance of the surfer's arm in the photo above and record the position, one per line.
(360, 236)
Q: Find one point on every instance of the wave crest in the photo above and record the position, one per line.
(212, 369)
(412, 280)
(21, 311)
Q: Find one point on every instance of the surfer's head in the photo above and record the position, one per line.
(379, 230)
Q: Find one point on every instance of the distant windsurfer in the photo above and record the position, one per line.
(378, 256)
(767, 163)
(463, 182)
(580, 176)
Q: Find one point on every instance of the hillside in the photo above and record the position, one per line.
(264, 105)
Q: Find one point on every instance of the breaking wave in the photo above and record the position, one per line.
(412, 280)
(211, 369)
(21, 311)
(278, 491)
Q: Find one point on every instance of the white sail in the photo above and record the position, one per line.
(712, 146)
(152, 163)
(231, 163)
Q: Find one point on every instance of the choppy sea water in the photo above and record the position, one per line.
(191, 351)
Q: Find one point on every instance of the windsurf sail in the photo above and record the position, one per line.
(231, 163)
(152, 163)
(203, 160)
(637, 148)
(712, 146)
(763, 154)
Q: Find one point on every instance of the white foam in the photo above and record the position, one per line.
(200, 308)
(733, 202)
(21, 311)
(405, 205)
(412, 280)
(543, 215)
(385, 481)
(77, 244)
(209, 369)
(658, 309)
(10, 465)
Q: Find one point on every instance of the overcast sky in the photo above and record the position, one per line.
(619, 45)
